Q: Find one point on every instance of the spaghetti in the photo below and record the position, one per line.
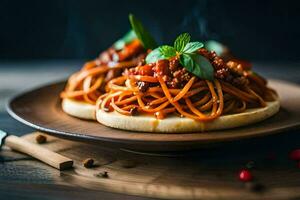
(89, 83)
(165, 88)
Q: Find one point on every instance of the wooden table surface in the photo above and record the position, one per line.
(24, 178)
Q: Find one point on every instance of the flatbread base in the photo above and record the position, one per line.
(79, 109)
(175, 124)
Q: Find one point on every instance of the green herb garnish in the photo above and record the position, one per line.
(181, 41)
(160, 54)
(142, 34)
(126, 39)
(187, 52)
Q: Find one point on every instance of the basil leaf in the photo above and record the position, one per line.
(142, 34)
(160, 53)
(168, 51)
(191, 47)
(154, 55)
(187, 62)
(181, 41)
(127, 38)
(197, 65)
(206, 68)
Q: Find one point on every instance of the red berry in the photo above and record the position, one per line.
(245, 175)
(295, 154)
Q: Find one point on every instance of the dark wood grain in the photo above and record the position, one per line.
(41, 109)
(204, 175)
(40, 191)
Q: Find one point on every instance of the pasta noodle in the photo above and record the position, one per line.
(89, 83)
(202, 100)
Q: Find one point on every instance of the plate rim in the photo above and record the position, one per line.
(91, 138)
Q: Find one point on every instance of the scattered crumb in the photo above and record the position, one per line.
(88, 163)
(40, 139)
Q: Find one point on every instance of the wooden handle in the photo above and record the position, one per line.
(51, 158)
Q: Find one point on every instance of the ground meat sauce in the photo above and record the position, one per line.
(130, 51)
(135, 51)
(177, 76)
(231, 72)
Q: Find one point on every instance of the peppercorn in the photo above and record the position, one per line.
(40, 139)
(88, 163)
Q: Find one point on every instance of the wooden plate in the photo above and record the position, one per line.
(40, 109)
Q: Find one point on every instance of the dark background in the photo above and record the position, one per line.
(64, 29)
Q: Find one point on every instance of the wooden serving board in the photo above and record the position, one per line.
(41, 109)
(206, 174)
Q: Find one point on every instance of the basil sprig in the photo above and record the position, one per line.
(187, 52)
(142, 34)
(126, 39)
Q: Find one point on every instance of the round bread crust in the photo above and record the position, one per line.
(175, 124)
(79, 109)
